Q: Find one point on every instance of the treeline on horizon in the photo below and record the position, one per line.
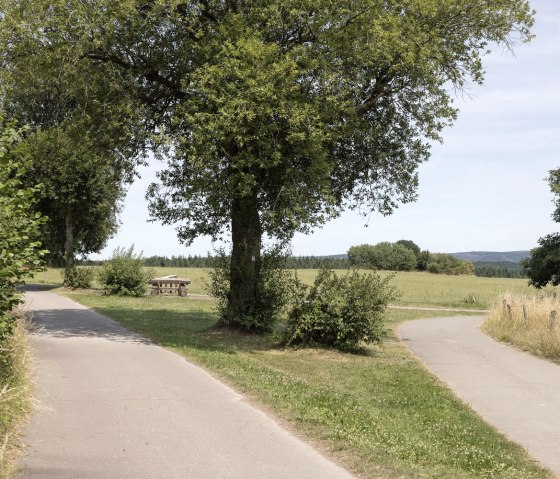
(486, 269)
(502, 269)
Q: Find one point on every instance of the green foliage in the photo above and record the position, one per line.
(423, 260)
(441, 263)
(291, 262)
(79, 277)
(272, 293)
(500, 269)
(124, 273)
(384, 256)
(543, 267)
(340, 311)
(81, 192)
(411, 245)
(554, 183)
(20, 253)
(283, 111)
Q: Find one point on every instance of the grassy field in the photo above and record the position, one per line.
(539, 335)
(379, 413)
(418, 289)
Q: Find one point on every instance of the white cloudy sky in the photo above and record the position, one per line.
(483, 189)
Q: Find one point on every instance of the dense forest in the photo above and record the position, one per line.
(292, 262)
(504, 269)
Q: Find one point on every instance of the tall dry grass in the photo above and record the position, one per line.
(15, 394)
(538, 334)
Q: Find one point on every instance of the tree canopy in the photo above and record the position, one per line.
(385, 256)
(277, 115)
(543, 266)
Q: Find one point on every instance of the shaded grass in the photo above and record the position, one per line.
(15, 395)
(379, 413)
(418, 289)
(539, 335)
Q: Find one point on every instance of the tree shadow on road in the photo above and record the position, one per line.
(80, 323)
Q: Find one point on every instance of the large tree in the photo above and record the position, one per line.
(82, 155)
(81, 193)
(278, 114)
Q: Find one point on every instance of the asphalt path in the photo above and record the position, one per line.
(113, 405)
(517, 393)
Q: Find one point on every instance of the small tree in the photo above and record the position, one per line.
(124, 273)
(20, 253)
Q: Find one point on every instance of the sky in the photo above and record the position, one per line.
(483, 189)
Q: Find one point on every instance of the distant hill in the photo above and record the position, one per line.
(492, 256)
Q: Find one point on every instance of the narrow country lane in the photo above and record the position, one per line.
(113, 405)
(514, 391)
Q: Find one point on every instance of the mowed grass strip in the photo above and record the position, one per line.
(418, 289)
(379, 413)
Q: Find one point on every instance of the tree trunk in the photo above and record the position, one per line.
(69, 244)
(246, 234)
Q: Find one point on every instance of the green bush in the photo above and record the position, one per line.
(340, 311)
(384, 256)
(79, 278)
(272, 296)
(124, 273)
(441, 263)
(20, 253)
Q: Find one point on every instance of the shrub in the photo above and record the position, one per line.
(340, 311)
(79, 277)
(272, 295)
(20, 254)
(124, 273)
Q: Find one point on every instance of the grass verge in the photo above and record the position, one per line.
(15, 395)
(539, 334)
(380, 413)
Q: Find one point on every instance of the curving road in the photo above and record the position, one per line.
(514, 391)
(114, 405)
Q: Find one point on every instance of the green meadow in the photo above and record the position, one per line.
(417, 289)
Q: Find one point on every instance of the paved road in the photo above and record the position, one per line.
(117, 406)
(516, 392)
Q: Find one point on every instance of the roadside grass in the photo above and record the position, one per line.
(539, 335)
(380, 413)
(15, 395)
(418, 289)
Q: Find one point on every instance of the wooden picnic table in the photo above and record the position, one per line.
(169, 285)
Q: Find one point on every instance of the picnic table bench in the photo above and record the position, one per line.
(169, 285)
